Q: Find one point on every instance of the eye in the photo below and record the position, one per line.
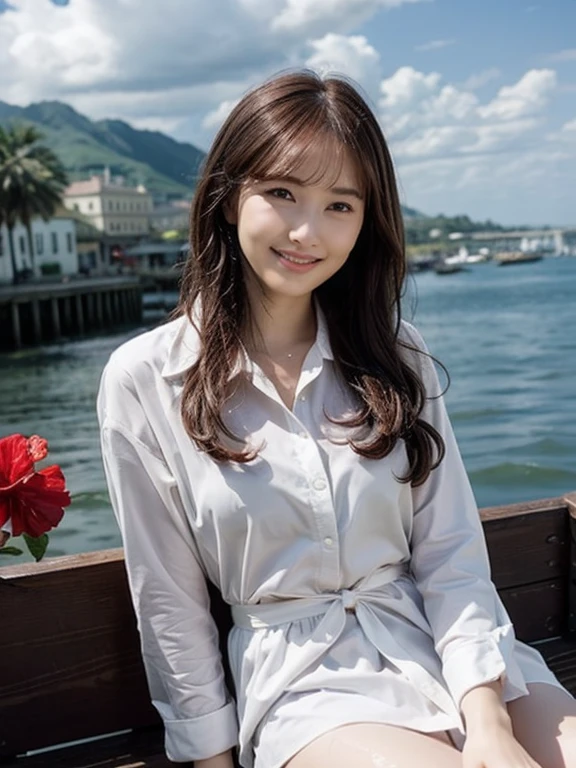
(280, 192)
(341, 207)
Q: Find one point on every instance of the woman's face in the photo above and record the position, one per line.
(295, 236)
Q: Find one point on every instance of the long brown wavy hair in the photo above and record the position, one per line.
(265, 136)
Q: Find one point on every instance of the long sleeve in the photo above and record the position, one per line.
(472, 632)
(178, 636)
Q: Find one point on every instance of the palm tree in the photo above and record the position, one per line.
(32, 182)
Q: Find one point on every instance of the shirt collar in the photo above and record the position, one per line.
(322, 335)
(183, 350)
(185, 347)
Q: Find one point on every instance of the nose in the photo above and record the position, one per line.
(305, 231)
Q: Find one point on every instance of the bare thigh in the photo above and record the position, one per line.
(545, 724)
(372, 745)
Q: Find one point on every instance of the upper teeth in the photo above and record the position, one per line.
(295, 260)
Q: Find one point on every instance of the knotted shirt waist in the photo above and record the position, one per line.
(391, 622)
(262, 615)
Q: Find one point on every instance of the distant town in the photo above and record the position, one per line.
(116, 201)
(106, 227)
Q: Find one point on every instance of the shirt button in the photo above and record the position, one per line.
(328, 541)
(319, 484)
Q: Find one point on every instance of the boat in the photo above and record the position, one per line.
(421, 263)
(477, 258)
(516, 257)
(446, 267)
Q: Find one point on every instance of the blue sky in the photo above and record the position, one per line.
(478, 100)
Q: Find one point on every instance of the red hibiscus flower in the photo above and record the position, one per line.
(32, 500)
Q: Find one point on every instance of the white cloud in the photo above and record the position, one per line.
(501, 136)
(565, 137)
(450, 103)
(217, 116)
(528, 96)
(139, 62)
(412, 100)
(162, 124)
(352, 56)
(434, 45)
(440, 140)
(568, 54)
(489, 158)
(480, 79)
(407, 87)
(50, 52)
(338, 15)
(41, 45)
(463, 140)
(175, 104)
(511, 188)
(425, 118)
(263, 9)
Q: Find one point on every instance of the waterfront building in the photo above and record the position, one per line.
(156, 255)
(54, 245)
(119, 212)
(90, 244)
(173, 216)
(110, 206)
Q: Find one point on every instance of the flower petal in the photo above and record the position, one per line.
(37, 506)
(34, 520)
(15, 460)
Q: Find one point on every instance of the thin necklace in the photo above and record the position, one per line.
(265, 353)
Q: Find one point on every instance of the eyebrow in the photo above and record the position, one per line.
(351, 191)
(347, 191)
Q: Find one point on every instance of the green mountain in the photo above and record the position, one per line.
(167, 167)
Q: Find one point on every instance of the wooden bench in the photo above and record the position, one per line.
(70, 667)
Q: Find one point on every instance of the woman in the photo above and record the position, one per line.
(285, 438)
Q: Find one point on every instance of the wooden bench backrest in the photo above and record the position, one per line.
(70, 665)
(530, 552)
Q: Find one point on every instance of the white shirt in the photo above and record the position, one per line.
(307, 519)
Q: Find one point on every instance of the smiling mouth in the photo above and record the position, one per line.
(294, 259)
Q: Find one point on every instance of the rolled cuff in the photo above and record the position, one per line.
(483, 660)
(200, 737)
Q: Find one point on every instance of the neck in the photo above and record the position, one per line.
(281, 324)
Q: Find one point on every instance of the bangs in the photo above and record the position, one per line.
(309, 150)
(318, 161)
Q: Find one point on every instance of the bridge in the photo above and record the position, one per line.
(556, 239)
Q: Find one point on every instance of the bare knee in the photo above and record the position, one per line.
(544, 723)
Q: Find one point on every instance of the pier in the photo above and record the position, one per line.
(36, 313)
